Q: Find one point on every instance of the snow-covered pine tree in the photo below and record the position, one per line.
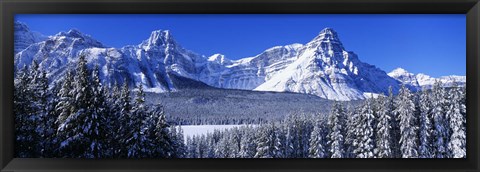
(65, 103)
(234, 139)
(222, 148)
(364, 142)
(201, 146)
(405, 109)
(211, 144)
(336, 123)
(51, 138)
(76, 127)
(292, 138)
(38, 103)
(95, 128)
(46, 122)
(318, 139)
(180, 148)
(440, 123)
(64, 108)
(114, 121)
(142, 124)
(163, 141)
(23, 110)
(375, 103)
(280, 142)
(384, 127)
(191, 147)
(265, 141)
(425, 135)
(125, 119)
(352, 122)
(395, 132)
(457, 122)
(247, 144)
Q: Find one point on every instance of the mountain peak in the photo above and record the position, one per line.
(328, 34)
(20, 26)
(24, 37)
(399, 72)
(220, 59)
(75, 34)
(327, 39)
(159, 37)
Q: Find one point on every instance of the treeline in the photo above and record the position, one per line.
(427, 124)
(78, 117)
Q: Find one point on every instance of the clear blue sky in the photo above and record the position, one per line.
(430, 44)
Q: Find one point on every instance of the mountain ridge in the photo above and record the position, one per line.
(321, 67)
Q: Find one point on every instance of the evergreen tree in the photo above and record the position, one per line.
(384, 138)
(125, 120)
(440, 123)
(364, 142)
(211, 144)
(95, 128)
(457, 143)
(352, 122)
(280, 143)
(247, 144)
(192, 146)
(222, 149)
(163, 142)
(140, 123)
(425, 136)
(24, 115)
(234, 139)
(318, 140)
(395, 131)
(64, 107)
(266, 141)
(336, 123)
(77, 127)
(181, 149)
(405, 109)
(115, 119)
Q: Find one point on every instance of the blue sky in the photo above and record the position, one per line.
(431, 44)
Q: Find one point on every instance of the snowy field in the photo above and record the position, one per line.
(191, 130)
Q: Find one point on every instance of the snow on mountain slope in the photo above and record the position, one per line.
(421, 80)
(324, 68)
(248, 73)
(23, 37)
(147, 63)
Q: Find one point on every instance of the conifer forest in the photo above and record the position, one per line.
(80, 117)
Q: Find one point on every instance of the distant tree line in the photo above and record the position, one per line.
(428, 124)
(78, 117)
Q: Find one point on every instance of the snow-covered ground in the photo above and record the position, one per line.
(191, 130)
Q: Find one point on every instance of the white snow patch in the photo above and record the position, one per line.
(372, 95)
(198, 130)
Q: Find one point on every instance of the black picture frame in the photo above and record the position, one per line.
(9, 8)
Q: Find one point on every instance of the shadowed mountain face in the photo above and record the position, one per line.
(322, 67)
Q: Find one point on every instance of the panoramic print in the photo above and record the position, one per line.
(240, 86)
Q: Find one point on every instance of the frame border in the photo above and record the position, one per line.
(9, 8)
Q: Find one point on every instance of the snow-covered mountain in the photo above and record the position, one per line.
(248, 73)
(321, 67)
(324, 68)
(421, 80)
(24, 37)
